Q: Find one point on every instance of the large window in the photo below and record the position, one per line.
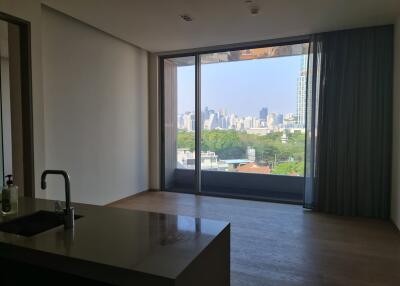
(253, 108)
(251, 119)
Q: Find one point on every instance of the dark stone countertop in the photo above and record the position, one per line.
(108, 239)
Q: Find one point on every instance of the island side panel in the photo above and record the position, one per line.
(21, 266)
(212, 266)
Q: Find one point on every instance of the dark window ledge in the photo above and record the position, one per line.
(277, 188)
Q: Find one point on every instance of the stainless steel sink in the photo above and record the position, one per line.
(35, 223)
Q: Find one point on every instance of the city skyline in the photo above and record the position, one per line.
(212, 119)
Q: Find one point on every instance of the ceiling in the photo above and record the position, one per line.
(155, 25)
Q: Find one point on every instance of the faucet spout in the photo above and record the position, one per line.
(69, 211)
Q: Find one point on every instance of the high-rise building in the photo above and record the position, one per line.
(212, 122)
(301, 92)
(232, 121)
(180, 121)
(279, 118)
(223, 122)
(240, 124)
(189, 121)
(271, 120)
(263, 113)
(248, 122)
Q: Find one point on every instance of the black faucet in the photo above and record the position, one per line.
(68, 211)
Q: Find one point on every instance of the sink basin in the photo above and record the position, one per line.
(34, 223)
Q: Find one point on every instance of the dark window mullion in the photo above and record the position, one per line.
(197, 124)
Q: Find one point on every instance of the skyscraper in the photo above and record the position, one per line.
(301, 92)
(212, 122)
(279, 118)
(248, 122)
(263, 113)
(271, 120)
(189, 121)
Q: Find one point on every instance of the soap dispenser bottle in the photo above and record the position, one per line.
(9, 196)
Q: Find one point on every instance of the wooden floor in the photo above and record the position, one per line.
(278, 244)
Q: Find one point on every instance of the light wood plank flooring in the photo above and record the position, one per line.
(278, 244)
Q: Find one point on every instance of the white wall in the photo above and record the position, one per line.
(396, 130)
(96, 111)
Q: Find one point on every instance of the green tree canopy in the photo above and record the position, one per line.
(232, 144)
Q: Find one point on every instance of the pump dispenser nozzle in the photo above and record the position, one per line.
(9, 180)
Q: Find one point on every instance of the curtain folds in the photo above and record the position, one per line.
(349, 122)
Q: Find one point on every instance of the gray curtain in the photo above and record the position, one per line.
(349, 122)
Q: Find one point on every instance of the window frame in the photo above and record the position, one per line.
(196, 53)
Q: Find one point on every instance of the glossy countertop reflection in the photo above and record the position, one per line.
(152, 243)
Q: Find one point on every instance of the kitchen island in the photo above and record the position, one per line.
(111, 246)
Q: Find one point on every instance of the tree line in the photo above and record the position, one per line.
(285, 158)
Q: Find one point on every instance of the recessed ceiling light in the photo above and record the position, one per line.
(254, 10)
(252, 6)
(186, 17)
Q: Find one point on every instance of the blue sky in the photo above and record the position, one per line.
(243, 87)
